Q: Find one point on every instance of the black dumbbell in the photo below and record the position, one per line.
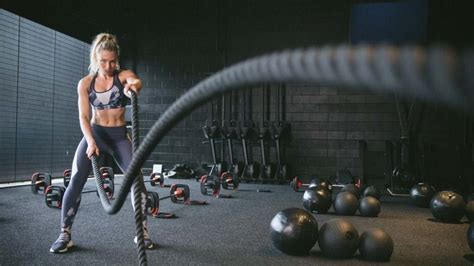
(153, 206)
(107, 175)
(157, 180)
(40, 182)
(229, 180)
(179, 193)
(67, 177)
(53, 196)
(210, 185)
(298, 185)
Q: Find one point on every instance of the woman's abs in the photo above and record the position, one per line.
(109, 118)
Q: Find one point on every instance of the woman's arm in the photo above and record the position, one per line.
(85, 116)
(130, 81)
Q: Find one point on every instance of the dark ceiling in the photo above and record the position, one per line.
(79, 19)
(449, 21)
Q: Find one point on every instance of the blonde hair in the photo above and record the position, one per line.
(103, 41)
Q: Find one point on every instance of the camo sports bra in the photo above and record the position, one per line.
(109, 99)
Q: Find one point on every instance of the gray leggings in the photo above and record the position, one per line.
(111, 140)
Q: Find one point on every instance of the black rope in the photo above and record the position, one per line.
(138, 184)
(433, 75)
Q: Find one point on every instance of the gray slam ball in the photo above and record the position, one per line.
(369, 207)
(375, 245)
(345, 203)
(294, 231)
(338, 238)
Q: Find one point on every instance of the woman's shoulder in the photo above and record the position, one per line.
(85, 81)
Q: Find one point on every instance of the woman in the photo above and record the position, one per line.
(105, 90)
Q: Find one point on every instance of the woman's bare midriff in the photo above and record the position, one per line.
(109, 117)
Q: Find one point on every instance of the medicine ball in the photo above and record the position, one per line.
(325, 184)
(294, 231)
(469, 210)
(345, 203)
(447, 206)
(371, 191)
(314, 182)
(369, 207)
(470, 236)
(317, 200)
(338, 238)
(421, 194)
(375, 245)
(351, 188)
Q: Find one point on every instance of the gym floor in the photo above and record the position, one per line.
(234, 231)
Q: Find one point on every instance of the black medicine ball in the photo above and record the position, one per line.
(345, 203)
(294, 231)
(421, 194)
(317, 200)
(375, 245)
(369, 207)
(470, 236)
(447, 206)
(338, 238)
(371, 191)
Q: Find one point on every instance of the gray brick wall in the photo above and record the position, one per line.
(40, 69)
(182, 47)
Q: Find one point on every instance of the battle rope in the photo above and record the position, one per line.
(437, 75)
(138, 184)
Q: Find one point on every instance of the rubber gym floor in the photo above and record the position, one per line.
(234, 231)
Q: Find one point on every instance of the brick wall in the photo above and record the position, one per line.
(187, 41)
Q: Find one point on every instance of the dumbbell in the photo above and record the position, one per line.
(107, 175)
(179, 193)
(40, 182)
(67, 177)
(53, 196)
(157, 179)
(229, 180)
(298, 185)
(210, 185)
(153, 206)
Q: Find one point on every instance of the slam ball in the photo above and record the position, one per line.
(352, 188)
(369, 207)
(421, 194)
(338, 238)
(470, 209)
(375, 245)
(294, 231)
(325, 184)
(317, 200)
(470, 236)
(371, 191)
(345, 203)
(447, 206)
(313, 183)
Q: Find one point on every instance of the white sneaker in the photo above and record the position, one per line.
(63, 243)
